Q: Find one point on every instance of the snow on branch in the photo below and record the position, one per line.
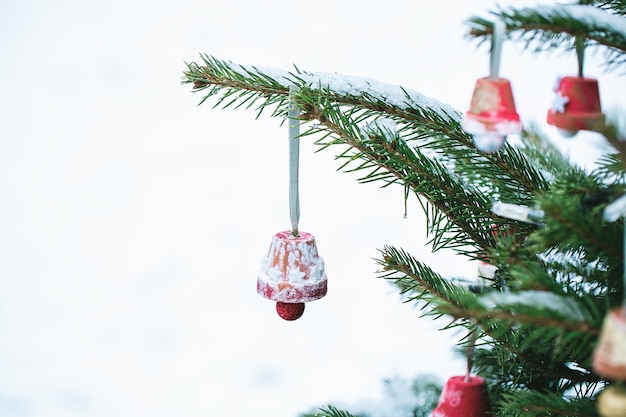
(596, 19)
(536, 299)
(556, 22)
(218, 73)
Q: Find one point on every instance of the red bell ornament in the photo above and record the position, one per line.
(292, 273)
(609, 356)
(492, 115)
(463, 397)
(576, 106)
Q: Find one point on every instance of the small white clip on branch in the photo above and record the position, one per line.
(518, 212)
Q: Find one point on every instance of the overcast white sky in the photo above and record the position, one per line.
(132, 222)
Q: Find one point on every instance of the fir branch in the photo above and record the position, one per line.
(614, 6)
(534, 403)
(513, 318)
(423, 175)
(416, 278)
(331, 411)
(548, 27)
(429, 155)
(571, 226)
(465, 207)
(543, 154)
(273, 85)
(510, 370)
(440, 296)
(545, 351)
(615, 133)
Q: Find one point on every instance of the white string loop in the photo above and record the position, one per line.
(294, 154)
(499, 29)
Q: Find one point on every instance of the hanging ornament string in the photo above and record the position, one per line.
(580, 44)
(406, 199)
(470, 353)
(294, 160)
(499, 29)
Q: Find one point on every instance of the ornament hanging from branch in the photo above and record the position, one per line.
(492, 115)
(464, 396)
(292, 273)
(576, 105)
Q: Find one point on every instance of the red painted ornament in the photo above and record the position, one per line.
(609, 356)
(290, 311)
(292, 273)
(492, 114)
(576, 106)
(463, 398)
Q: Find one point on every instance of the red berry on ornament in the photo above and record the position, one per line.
(290, 311)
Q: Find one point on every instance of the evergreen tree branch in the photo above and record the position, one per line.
(614, 6)
(541, 354)
(415, 277)
(465, 207)
(533, 403)
(425, 285)
(545, 156)
(514, 318)
(571, 226)
(331, 411)
(615, 134)
(548, 27)
(538, 327)
(431, 153)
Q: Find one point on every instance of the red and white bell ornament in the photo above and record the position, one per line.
(463, 397)
(492, 115)
(576, 106)
(292, 273)
(609, 356)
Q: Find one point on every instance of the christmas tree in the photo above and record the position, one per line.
(546, 332)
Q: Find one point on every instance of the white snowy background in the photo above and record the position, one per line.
(132, 221)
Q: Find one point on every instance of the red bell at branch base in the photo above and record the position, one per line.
(463, 397)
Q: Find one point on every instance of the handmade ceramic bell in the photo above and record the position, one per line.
(576, 106)
(492, 115)
(463, 397)
(609, 356)
(292, 273)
